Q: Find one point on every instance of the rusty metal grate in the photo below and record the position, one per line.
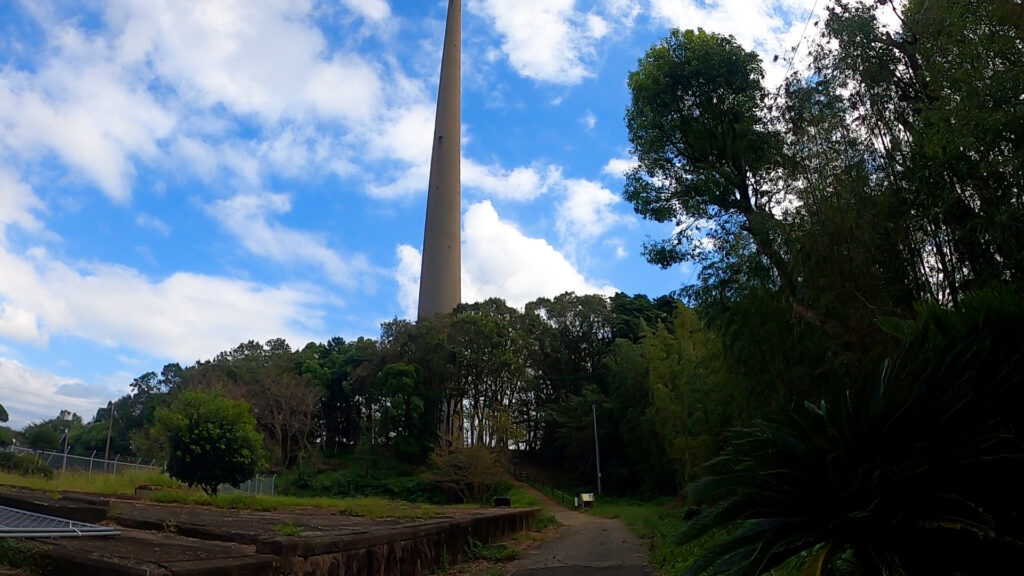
(16, 523)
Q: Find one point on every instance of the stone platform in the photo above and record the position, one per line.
(178, 540)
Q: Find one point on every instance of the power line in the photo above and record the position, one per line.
(796, 50)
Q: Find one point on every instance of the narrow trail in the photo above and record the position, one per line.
(585, 545)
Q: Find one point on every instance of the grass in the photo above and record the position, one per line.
(127, 483)
(288, 529)
(659, 521)
(523, 497)
(365, 507)
(492, 553)
(17, 554)
(76, 481)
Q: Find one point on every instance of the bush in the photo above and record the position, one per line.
(918, 473)
(212, 440)
(472, 474)
(24, 465)
(360, 483)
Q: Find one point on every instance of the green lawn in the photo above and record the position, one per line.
(92, 483)
(126, 483)
(659, 521)
(367, 507)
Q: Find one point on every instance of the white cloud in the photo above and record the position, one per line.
(372, 9)
(545, 40)
(17, 204)
(499, 260)
(32, 395)
(347, 88)
(153, 223)
(408, 276)
(406, 134)
(618, 167)
(19, 324)
(624, 11)
(247, 216)
(221, 52)
(589, 120)
(184, 317)
(519, 184)
(770, 27)
(587, 212)
(98, 124)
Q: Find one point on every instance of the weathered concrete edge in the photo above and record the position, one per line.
(405, 552)
(306, 546)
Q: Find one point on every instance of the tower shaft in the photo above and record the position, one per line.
(441, 268)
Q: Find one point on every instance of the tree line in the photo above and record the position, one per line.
(524, 381)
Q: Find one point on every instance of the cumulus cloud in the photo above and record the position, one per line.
(97, 125)
(586, 212)
(545, 40)
(248, 217)
(518, 184)
(216, 53)
(19, 324)
(372, 9)
(184, 316)
(18, 203)
(32, 395)
(770, 27)
(618, 167)
(499, 260)
(407, 274)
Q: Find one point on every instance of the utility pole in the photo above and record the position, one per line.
(597, 450)
(64, 464)
(110, 430)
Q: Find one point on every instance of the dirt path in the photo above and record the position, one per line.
(586, 545)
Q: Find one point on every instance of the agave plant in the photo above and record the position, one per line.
(920, 472)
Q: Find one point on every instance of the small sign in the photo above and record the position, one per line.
(587, 500)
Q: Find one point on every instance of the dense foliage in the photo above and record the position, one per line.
(212, 440)
(840, 388)
(23, 465)
(869, 209)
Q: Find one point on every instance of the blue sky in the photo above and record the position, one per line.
(177, 177)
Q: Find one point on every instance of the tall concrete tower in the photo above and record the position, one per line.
(441, 268)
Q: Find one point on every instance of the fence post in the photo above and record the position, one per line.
(91, 458)
(116, 458)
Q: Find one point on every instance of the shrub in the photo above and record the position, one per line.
(917, 473)
(212, 440)
(24, 465)
(472, 473)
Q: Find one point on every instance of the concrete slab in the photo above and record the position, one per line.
(179, 540)
(147, 553)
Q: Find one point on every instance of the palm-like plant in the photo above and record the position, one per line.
(921, 472)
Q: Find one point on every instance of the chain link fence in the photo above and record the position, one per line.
(259, 485)
(72, 462)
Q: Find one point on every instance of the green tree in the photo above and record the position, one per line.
(7, 436)
(916, 473)
(3, 414)
(50, 434)
(212, 440)
(402, 408)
